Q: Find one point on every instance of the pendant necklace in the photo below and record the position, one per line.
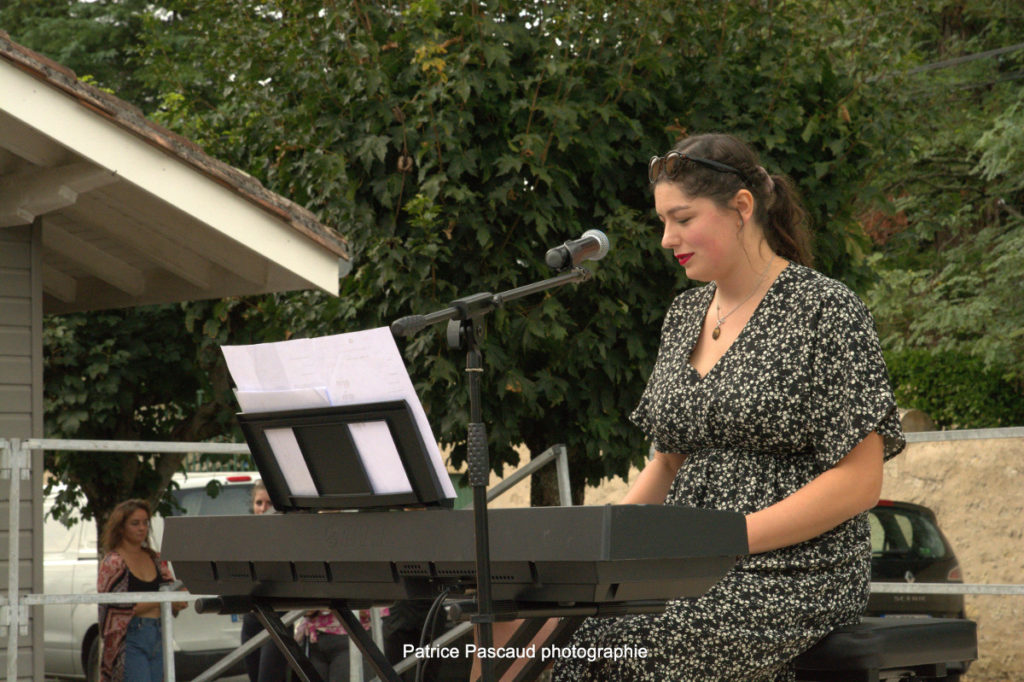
(717, 331)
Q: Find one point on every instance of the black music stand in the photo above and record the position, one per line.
(311, 460)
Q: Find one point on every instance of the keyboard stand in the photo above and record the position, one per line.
(296, 657)
(534, 618)
(534, 666)
(300, 662)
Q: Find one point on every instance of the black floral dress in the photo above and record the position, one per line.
(802, 384)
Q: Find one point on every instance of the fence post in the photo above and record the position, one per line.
(562, 472)
(355, 657)
(15, 614)
(167, 631)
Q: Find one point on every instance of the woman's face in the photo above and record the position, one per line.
(136, 527)
(261, 502)
(703, 237)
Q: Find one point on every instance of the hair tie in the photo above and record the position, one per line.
(771, 183)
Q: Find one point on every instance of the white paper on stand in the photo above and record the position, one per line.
(345, 369)
(273, 401)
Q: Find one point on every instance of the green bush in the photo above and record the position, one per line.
(955, 389)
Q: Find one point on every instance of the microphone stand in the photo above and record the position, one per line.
(465, 331)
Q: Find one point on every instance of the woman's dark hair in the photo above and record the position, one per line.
(777, 205)
(113, 530)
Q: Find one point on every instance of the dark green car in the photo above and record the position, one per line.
(907, 546)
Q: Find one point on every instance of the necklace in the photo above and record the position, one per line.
(717, 331)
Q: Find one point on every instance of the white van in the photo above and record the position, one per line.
(71, 645)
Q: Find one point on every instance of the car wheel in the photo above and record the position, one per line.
(92, 662)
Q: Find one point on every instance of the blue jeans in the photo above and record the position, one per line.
(143, 651)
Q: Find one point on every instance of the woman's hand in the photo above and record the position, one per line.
(653, 483)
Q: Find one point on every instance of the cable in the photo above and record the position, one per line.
(966, 58)
(965, 86)
(956, 61)
(428, 626)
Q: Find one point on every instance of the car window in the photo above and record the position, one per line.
(927, 541)
(904, 531)
(232, 500)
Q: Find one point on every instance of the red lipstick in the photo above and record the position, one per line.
(683, 257)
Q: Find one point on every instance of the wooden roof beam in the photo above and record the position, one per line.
(59, 285)
(94, 260)
(188, 264)
(27, 143)
(27, 195)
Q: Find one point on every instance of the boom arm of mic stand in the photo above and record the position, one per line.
(483, 303)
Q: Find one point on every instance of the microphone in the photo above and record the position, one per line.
(593, 245)
(410, 324)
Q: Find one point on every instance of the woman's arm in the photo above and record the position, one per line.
(852, 486)
(168, 577)
(653, 483)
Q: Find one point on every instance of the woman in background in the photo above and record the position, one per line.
(265, 663)
(327, 644)
(132, 640)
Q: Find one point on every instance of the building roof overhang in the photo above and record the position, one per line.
(133, 214)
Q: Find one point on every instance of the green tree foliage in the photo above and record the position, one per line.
(148, 374)
(950, 247)
(95, 39)
(453, 142)
(127, 375)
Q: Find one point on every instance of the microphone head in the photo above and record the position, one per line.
(602, 241)
(592, 245)
(409, 324)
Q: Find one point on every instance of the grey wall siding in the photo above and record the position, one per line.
(21, 416)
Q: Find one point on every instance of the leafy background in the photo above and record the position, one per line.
(453, 142)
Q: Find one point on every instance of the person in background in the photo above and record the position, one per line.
(265, 663)
(327, 644)
(132, 640)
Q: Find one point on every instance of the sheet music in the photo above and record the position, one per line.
(293, 399)
(344, 369)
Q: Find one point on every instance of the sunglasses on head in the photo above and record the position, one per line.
(671, 166)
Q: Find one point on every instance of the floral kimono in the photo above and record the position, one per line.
(114, 618)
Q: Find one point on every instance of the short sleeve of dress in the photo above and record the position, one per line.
(851, 394)
(670, 330)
